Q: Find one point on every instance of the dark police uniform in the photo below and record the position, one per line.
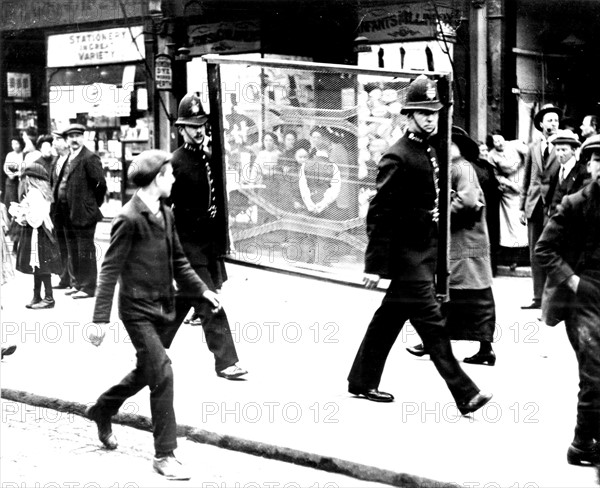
(195, 208)
(402, 247)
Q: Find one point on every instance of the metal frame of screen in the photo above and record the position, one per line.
(340, 115)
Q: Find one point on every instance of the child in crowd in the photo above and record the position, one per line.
(37, 249)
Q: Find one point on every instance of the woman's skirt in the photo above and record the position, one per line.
(471, 315)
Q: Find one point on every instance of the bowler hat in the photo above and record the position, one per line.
(145, 166)
(565, 136)
(467, 146)
(591, 144)
(422, 95)
(36, 170)
(548, 108)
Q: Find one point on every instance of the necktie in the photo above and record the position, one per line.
(546, 154)
(562, 175)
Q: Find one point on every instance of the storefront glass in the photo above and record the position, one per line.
(109, 98)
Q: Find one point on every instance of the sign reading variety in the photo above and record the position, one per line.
(96, 47)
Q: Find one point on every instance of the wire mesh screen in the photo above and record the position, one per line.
(301, 148)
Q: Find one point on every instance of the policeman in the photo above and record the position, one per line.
(197, 206)
(402, 246)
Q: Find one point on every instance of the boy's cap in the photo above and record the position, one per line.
(145, 166)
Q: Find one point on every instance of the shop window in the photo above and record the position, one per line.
(111, 101)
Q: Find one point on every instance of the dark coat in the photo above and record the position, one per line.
(86, 188)
(145, 258)
(191, 199)
(48, 253)
(536, 182)
(577, 178)
(486, 175)
(569, 244)
(402, 236)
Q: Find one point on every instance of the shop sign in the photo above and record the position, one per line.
(96, 47)
(25, 14)
(413, 21)
(225, 37)
(163, 74)
(18, 85)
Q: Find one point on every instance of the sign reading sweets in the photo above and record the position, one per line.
(96, 47)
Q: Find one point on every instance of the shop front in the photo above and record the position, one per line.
(97, 78)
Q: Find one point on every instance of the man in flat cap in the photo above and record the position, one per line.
(402, 246)
(145, 256)
(572, 173)
(541, 166)
(79, 190)
(569, 250)
(198, 206)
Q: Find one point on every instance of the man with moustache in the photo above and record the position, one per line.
(569, 250)
(198, 207)
(541, 167)
(402, 230)
(79, 191)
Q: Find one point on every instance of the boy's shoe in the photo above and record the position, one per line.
(45, 303)
(104, 425)
(232, 372)
(170, 468)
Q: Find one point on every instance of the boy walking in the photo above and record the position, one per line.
(145, 256)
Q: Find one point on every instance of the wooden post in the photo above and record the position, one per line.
(219, 170)
(444, 86)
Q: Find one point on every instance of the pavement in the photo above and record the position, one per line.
(43, 447)
(298, 337)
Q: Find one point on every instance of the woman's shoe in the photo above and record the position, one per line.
(418, 350)
(488, 358)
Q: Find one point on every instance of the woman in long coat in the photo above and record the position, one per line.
(471, 310)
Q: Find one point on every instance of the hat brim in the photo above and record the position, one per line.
(198, 121)
(424, 106)
(587, 150)
(570, 142)
(467, 146)
(537, 119)
(72, 131)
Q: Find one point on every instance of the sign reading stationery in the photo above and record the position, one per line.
(96, 47)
